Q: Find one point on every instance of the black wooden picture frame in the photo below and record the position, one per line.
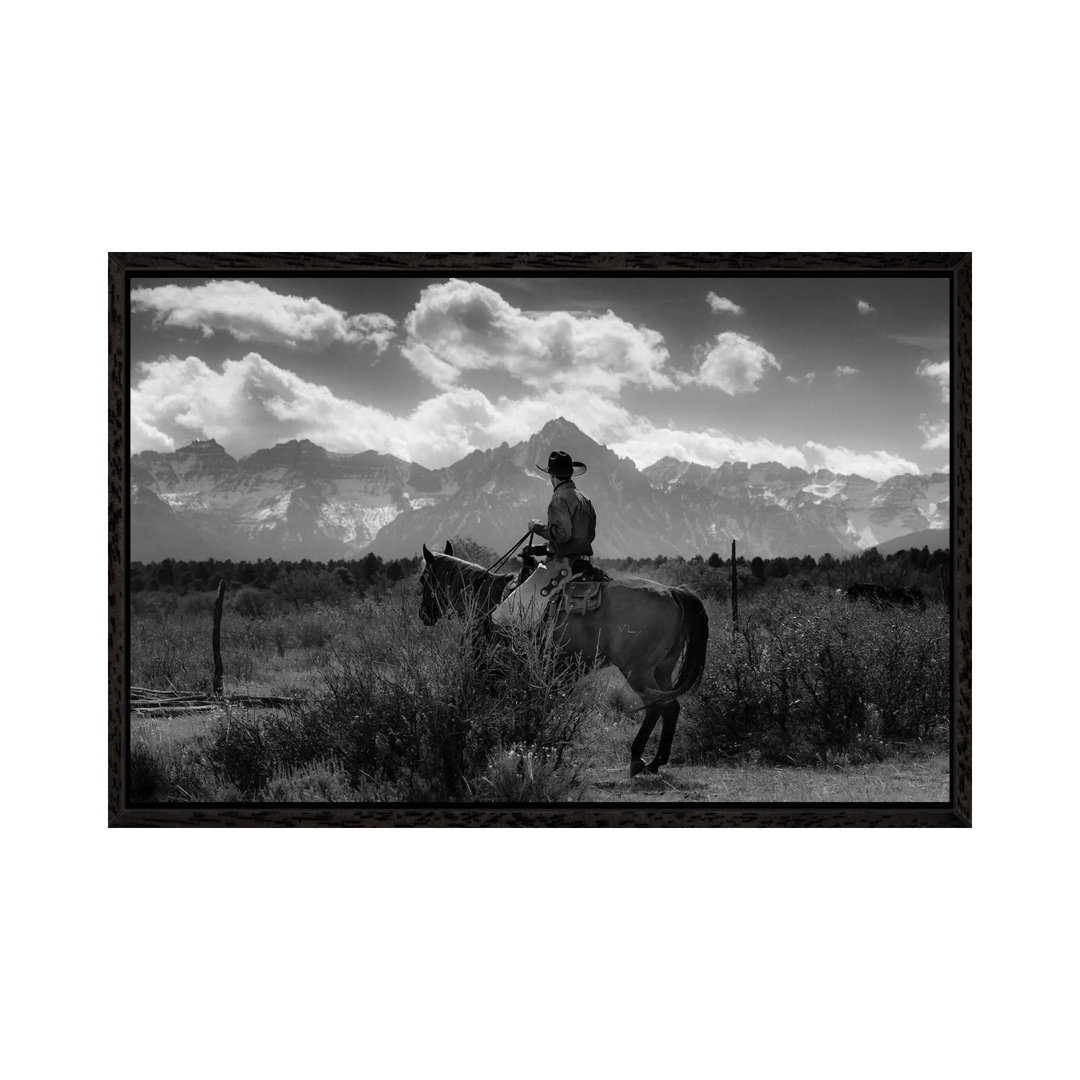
(956, 811)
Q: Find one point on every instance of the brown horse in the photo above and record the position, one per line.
(642, 627)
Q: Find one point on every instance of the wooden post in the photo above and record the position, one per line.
(219, 670)
(734, 593)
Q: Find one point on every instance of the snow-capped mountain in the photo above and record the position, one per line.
(297, 500)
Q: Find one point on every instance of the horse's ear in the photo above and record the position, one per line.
(427, 555)
(449, 549)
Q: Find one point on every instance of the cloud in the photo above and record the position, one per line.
(933, 342)
(722, 303)
(462, 326)
(251, 312)
(252, 403)
(938, 371)
(935, 432)
(649, 444)
(733, 363)
(874, 465)
(865, 307)
(808, 378)
(644, 444)
(843, 369)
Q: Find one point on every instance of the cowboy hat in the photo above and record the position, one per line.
(561, 464)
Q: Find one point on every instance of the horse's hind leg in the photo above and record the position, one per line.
(670, 713)
(637, 747)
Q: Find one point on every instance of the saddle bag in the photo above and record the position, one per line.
(581, 597)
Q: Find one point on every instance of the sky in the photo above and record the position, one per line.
(845, 373)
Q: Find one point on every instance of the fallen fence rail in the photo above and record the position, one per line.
(146, 699)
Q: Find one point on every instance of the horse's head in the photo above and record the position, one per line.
(435, 598)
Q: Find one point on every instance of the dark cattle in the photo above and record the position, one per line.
(881, 596)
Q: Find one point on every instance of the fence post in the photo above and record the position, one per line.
(734, 593)
(219, 670)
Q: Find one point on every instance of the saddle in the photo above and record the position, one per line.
(575, 590)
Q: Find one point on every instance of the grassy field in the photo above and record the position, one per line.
(814, 700)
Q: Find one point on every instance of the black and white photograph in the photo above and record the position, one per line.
(540, 452)
(533, 539)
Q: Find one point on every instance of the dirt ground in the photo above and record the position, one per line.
(918, 780)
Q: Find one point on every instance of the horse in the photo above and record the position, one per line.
(641, 627)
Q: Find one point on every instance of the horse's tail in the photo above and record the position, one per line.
(694, 628)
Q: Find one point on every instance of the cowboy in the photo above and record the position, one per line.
(571, 523)
(569, 532)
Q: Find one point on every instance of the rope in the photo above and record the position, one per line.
(498, 562)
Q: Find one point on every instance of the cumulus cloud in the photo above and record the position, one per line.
(645, 443)
(461, 326)
(733, 363)
(808, 378)
(865, 307)
(251, 312)
(938, 371)
(874, 465)
(252, 403)
(843, 369)
(936, 434)
(722, 303)
(648, 444)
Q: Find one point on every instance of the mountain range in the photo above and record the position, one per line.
(297, 500)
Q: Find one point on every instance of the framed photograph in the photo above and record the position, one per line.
(540, 539)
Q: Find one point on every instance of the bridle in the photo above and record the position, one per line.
(431, 598)
(437, 600)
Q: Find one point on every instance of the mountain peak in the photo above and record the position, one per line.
(303, 444)
(202, 446)
(560, 426)
(289, 454)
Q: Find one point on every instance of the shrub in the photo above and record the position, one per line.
(416, 711)
(313, 633)
(813, 680)
(250, 602)
(320, 781)
(198, 605)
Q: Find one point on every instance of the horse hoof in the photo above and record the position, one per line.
(653, 768)
(636, 766)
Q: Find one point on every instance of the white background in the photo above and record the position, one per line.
(660, 127)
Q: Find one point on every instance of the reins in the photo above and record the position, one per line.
(498, 562)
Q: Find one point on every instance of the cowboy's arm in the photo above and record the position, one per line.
(559, 527)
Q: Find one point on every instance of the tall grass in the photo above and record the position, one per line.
(807, 680)
(399, 712)
(390, 710)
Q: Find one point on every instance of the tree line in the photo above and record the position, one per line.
(781, 567)
(302, 581)
(306, 580)
(913, 568)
